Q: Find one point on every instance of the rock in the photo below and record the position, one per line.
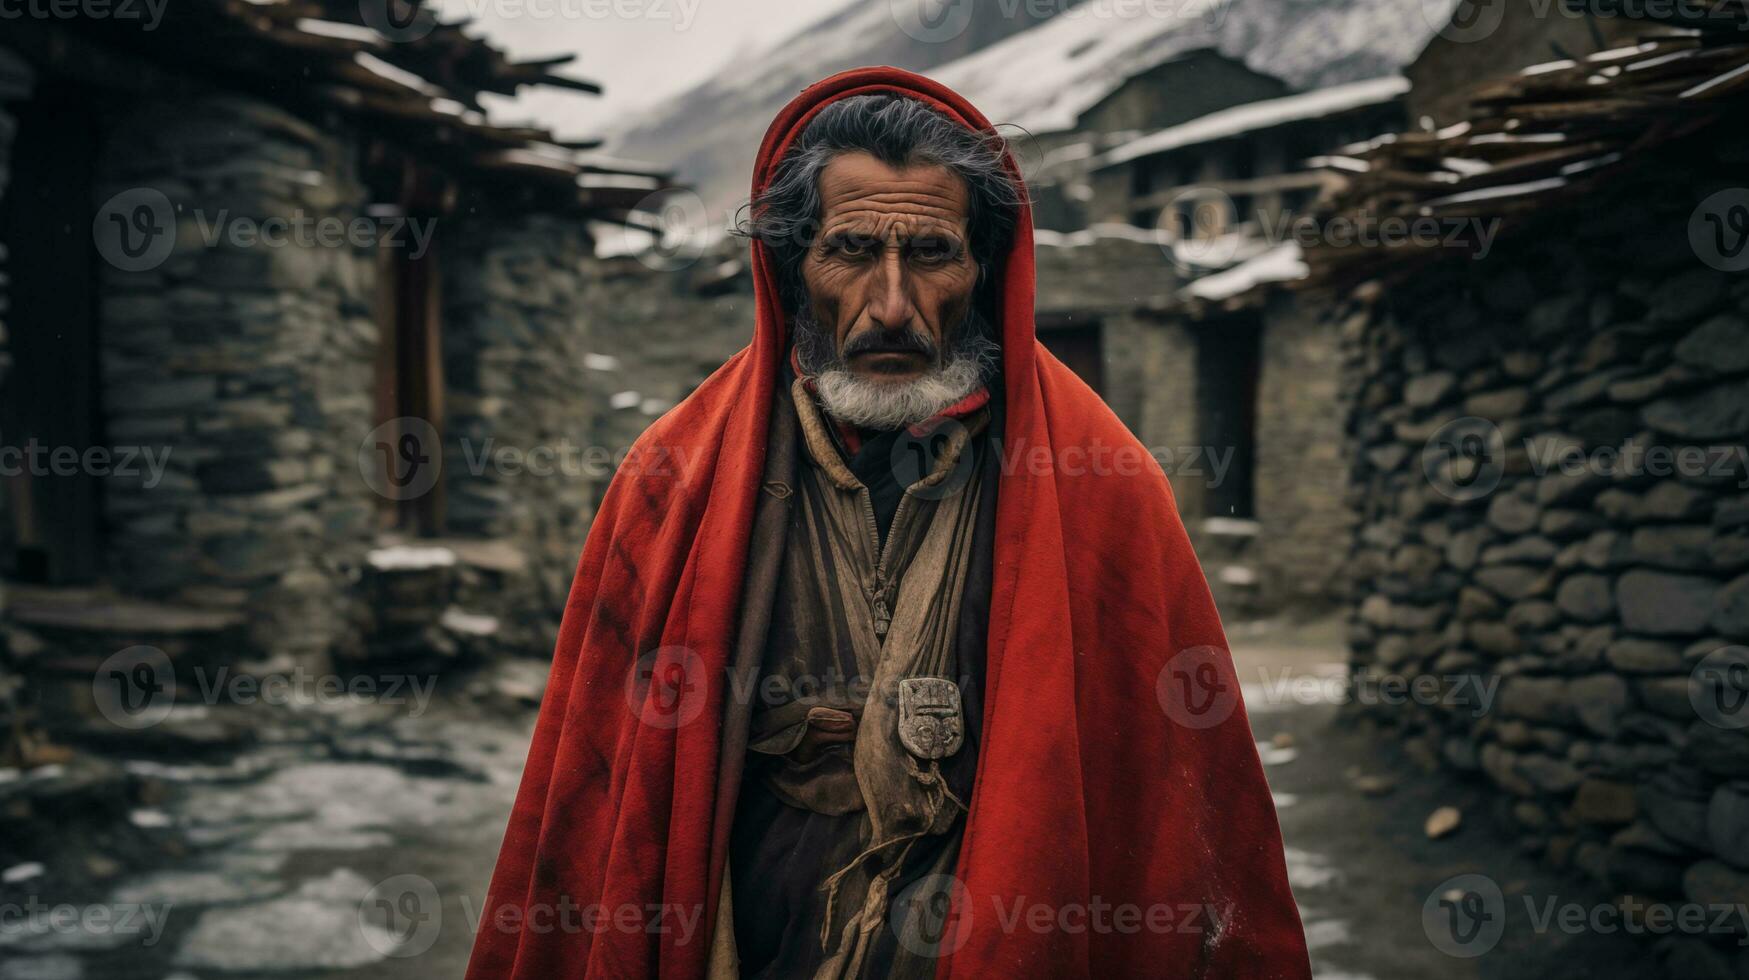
(1724, 751)
(1640, 656)
(1718, 412)
(1530, 550)
(1387, 457)
(1563, 524)
(1716, 345)
(1667, 696)
(1495, 637)
(1694, 958)
(1598, 701)
(1515, 582)
(1535, 699)
(1427, 390)
(1474, 603)
(1522, 364)
(1715, 883)
(1670, 500)
(1551, 775)
(1603, 801)
(1370, 785)
(1681, 819)
(1727, 824)
(1605, 549)
(1507, 403)
(1664, 604)
(1687, 296)
(1586, 598)
(1463, 548)
(1730, 613)
(1443, 822)
(1513, 514)
(1534, 615)
(1684, 547)
(1640, 872)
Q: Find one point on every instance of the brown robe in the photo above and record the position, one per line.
(854, 582)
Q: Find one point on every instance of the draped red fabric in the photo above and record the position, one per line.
(1119, 824)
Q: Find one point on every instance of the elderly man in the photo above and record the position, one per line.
(887, 654)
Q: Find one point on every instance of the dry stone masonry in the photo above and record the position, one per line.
(1549, 472)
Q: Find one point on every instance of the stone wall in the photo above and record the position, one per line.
(520, 404)
(15, 84)
(249, 362)
(1506, 537)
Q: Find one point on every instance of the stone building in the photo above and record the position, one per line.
(277, 296)
(1545, 453)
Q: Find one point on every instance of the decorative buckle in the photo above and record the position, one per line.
(930, 722)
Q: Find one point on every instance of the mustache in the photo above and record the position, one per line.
(903, 340)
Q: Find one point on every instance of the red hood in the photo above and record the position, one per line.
(1103, 782)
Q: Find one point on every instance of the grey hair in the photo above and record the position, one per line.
(898, 131)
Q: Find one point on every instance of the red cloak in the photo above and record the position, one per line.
(1105, 781)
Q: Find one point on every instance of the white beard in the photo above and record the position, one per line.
(884, 405)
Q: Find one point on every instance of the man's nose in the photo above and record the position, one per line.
(889, 305)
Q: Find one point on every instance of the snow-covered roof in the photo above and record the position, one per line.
(1255, 116)
(1281, 263)
(1045, 77)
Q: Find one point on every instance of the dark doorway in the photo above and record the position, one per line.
(1227, 354)
(49, 410)
(1079, 345)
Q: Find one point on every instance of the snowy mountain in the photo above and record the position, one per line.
(1019, 68)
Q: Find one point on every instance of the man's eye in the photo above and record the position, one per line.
(932, 250)
(853, 246)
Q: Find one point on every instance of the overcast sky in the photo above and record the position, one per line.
(639, 51)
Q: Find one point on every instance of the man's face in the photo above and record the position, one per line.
(891, 271)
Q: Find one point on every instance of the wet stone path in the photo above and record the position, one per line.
(358, 843)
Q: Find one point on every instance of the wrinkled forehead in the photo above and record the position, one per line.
(859, 192)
